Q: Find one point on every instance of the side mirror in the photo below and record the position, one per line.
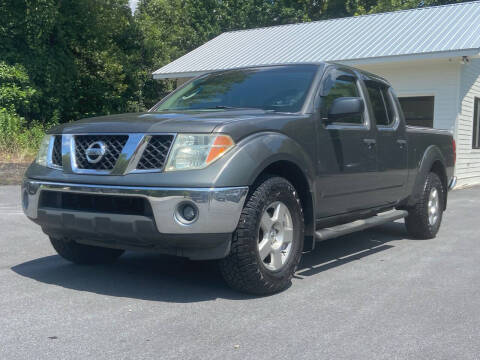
(346, 106)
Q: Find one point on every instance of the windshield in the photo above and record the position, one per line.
(277, 88)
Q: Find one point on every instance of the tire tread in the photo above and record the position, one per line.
(416, 222)
(241, 269)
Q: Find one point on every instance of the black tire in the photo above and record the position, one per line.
(243, 269)
(417, 221)
(84, 254)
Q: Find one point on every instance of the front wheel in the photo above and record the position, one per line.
(268, 242)
(424, 218)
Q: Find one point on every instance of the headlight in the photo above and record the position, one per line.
(42, 157)
(196, 151)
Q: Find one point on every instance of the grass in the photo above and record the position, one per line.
(21, 157)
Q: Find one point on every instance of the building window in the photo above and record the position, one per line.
(476, 124)
(418, 110)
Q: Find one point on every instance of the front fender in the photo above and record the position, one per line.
(256, 152)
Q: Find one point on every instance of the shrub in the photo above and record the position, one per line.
(19, 141)
(19, 138)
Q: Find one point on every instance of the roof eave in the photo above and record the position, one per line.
(363, 61)
(178, 75)
(412, 57)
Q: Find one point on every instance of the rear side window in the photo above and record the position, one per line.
(340, 84)
(381, 101)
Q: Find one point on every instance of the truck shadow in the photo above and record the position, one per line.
(336, 252)
(164, 278)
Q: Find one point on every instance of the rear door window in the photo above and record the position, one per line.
(381, 101)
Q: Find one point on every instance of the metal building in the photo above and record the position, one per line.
(430, 55)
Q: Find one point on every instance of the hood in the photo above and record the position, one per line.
(158, 122)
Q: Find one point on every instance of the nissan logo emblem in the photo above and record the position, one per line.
(95, 152)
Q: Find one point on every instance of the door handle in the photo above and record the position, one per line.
(370, 142)
(402, 143)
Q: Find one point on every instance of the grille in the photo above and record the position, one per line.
(155, 154)
(125, 205)
(113, 148)
(57, 150)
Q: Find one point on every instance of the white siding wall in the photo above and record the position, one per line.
(439, 78)
(468, 159)
(454, 86)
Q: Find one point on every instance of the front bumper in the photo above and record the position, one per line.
(218, 214)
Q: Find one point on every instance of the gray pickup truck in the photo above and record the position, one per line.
(249, 166)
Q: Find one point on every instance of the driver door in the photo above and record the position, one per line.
(346, 150)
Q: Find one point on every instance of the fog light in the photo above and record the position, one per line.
(186, 213)
(189, 213)
(32, 187)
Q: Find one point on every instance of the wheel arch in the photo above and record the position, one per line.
(294, 174)
(431, 161)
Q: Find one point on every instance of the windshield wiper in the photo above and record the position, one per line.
(231, 107)
(223, 107)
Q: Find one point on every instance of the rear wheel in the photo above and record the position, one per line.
(84, 254)
(268, 242)
(424, 219)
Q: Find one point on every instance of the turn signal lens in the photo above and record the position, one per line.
(221, 144)
(196, 151)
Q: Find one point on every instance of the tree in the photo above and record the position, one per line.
(360, 7)
(80, 55)
(92, 57)
(16, 92)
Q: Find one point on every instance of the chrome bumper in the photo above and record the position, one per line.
(218, 208)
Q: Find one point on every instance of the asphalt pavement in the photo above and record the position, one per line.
(376, 294)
